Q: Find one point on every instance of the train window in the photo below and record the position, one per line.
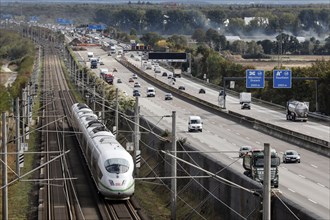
(116, 165)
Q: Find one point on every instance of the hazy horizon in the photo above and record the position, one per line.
(226, 2)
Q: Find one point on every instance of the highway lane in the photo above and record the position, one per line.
(306, 184)
(276, 117)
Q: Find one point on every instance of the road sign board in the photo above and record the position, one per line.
(255, 78)
(282, 79)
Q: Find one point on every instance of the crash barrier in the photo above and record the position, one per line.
(313, 144)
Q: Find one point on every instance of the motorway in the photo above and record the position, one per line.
(306, 184)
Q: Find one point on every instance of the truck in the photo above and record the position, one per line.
(296, 110)
(93, 63)
(177, 73)
(112, 49)
(253, 163)
(108, 77)
(244, 97)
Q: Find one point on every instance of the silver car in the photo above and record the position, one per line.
(244, 150)
(291, 156)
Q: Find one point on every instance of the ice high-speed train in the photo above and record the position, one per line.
(110, 164)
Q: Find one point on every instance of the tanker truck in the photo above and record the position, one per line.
(253, 163)
(296, 110)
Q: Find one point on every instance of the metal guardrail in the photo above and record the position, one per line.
(308, 142)
(313, 115)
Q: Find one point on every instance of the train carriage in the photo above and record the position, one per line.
(110, 164)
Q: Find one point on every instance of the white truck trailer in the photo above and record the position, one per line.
(244, 97)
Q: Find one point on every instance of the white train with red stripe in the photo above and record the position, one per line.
(110, 164)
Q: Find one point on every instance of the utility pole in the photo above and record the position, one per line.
(117, 115)
(18, 138)
(103, 106)
(4, 169)
(173, 180)
(23, 115)
(137, 155)
(266, 184)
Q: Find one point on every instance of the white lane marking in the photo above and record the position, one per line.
(285, 168)
(320, 184)
(314, 166)
(312, 201)
(238, 134)
(247, 138)
(302, 176)
(257, 142)
(291, 190)
(228, 129)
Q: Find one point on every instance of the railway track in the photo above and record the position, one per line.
(67, 190)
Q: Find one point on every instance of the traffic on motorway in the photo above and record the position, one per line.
(221, 134)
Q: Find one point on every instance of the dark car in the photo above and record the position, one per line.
(130, 80)
(115, 70)
(136, 92)
(201, 91)
(246, 106)
(182, 88)
(164, 74)
(119, 81)
(291, 156)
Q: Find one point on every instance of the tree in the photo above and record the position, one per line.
(199, 35)
(133, 31)
(235, 26)
(151, 38)
(239, 47)
(178, 42)
(253, 48)
(267, 46)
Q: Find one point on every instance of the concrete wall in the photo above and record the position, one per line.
(227, 201)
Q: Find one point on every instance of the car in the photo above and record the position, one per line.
(101, 62)
(119, 81)
(164, 74)
(132, 56)
(137, 59)
(114, 70)
(151, 92)
(134, 76)
(136, 93)
(137, 85)
(157, 70)
(168, 96)
(182, 88)
(201, 91)
(130, 80)
(195, 123)
(291, 156)
(246, 105)
(244, 150)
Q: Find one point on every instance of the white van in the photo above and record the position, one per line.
(151, 92)
(195, 124)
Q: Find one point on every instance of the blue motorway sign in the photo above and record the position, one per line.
(282, 79)
(63, 21)
(255, 78)
(98, 27)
